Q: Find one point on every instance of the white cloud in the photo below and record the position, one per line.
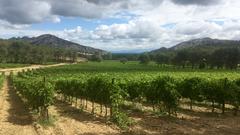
(26, 11)
(156, 23)
(197, 27)
(134, 29)
(36, 11)
(197, 2)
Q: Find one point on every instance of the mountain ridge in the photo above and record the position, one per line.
(200, 43)
(56, 42)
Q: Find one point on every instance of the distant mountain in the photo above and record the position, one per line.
(201, 44)
(56, 42)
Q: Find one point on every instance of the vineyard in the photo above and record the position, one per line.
(106, 88)
(1, 80)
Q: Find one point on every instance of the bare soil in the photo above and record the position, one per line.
(15, 70)
(199, 121)
(14, 117)
(72, 121)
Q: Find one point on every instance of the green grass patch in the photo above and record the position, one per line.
(47, 122)
(133, 70)
(13, 65)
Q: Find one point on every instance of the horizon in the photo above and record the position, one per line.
(122, 26)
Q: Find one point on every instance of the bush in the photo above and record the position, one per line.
(190, 88)
(123, 60)
(163, 92)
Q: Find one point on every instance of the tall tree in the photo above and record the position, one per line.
(144, 58)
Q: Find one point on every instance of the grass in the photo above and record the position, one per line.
(17, 65)
(13, 65)
(133, 66)
(47, 122)
(132, 69)
(50, 63)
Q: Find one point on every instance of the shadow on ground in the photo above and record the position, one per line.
(18, 113)
(67, 110)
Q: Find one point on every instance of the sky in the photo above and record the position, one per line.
(122, 25)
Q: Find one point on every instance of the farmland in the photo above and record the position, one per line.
(126, 93)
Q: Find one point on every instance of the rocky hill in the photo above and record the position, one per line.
(201, 44)
(56, 42)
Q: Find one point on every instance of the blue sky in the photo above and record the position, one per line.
(122, 25)
(71, 23)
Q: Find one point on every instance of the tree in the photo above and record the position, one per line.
(3, 53)
(144, 58)
(13, 49)
(232, 58)
(107, 56)
(181, 58)
(209, 89)
(162, 59)
(228, 57)
(58, 55)
(203, 63)
(96, 57)
(197, 57)
(190, 88)
(163, 92)
(123, 60)
(236, 97)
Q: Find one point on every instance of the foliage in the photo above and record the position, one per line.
(144, 58)
(218, 57)
(162, 59)
(163, 91)
(26, 53)
(38, 94)
(110, 83)
(123, 60)
(191, 88)
(97, 57)
(1, 80)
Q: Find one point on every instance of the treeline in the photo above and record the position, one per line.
(23, 52)
(228, 58)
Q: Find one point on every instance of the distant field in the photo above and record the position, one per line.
(134, 70)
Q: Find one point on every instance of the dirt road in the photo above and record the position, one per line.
(14, 117)
(15, 70)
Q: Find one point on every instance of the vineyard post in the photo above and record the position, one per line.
(93, 107)
(44, 109)
(44, 79)
(76, 101)
(153, 106)
(3, 73)
(224, 88)
(106, 111)
(86, 103)
(213, 107)
(111, 109)
(101, 108)
(191, 103)
(236, 110)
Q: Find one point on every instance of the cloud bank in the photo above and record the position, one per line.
(153, 23)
